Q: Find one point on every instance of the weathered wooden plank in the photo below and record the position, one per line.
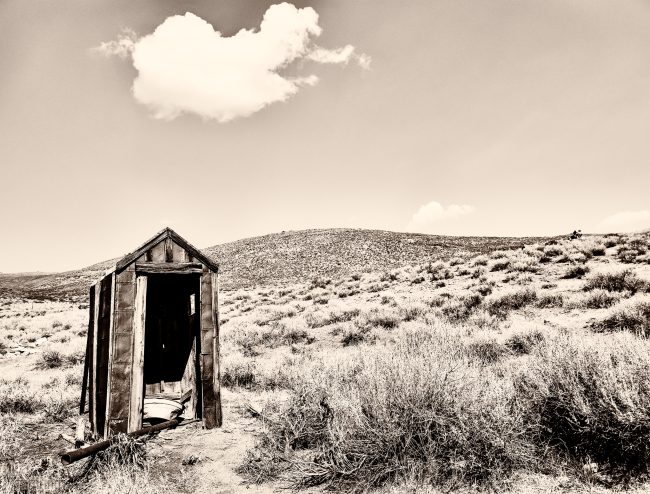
(207, 365)
(124, 321)
(168, 267)
(95, 373)
(210, 390)
(158, 252)
(137, 375)
(178, 253)
(122, 343)
(89, 351)
(125, 294)
(126, 276)
(207, 342)
(216, 350)
(169, 253)
(110, 332)
(188, 383)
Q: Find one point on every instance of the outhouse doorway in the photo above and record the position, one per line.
(171, 340)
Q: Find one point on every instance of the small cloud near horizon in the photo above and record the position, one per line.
(625, 221)
(432, 214)
(186, 66)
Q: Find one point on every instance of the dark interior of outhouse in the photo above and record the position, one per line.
(171, 342)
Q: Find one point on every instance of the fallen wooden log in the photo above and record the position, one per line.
(77, 454)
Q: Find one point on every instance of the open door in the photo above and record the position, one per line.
(169, 350)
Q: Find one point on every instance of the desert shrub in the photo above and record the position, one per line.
(626, 280)
(355, 336)
(502, 305)
(316, 320)
(633, 316)
(412, 311)
(51, 360)
(526, 279)
(58, 407)
(609, 242)
(575, 271)
(481, 319)
(439, 271)
(249, 338)
(437, 301)
(481, 260)
(459, 310)
(645, 258)
(267, 315)
(484, 289)
(553, 250)
(594, 248)
(499, 265)
(464, 271)
(486, 351)
(319, 282)
(590, 400)
(632, 249)
(15, 397)
(574, 257)
(627, 256)
(379, 318)
(389, 276)
(523, 343)
(524, 264)
(240, 374)
(639, 244)
(478, 273)
(595, 299)
(75, 358)
(73, 379)
(419, 406)
(546, 300)
(348, 292)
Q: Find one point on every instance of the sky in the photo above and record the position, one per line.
(229, 119)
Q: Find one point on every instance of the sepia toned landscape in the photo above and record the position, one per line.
(491, 364)
(415, 250)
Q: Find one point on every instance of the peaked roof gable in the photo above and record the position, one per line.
(159, 237)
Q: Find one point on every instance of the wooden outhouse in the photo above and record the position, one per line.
(153, 332)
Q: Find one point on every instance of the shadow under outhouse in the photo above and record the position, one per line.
(153, 333)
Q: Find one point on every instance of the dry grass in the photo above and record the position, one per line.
(445, 373)
(632, 316)
(620, 281)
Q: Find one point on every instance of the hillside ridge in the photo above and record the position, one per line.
(288, 257)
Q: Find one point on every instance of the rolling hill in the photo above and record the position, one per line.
(287, 257)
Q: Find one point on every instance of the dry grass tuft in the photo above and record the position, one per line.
(502, 305)
(633, 316)
(626, 280)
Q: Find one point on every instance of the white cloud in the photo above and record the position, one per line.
(625, 221)
(433, 213)
(121, 47)
(341, 55)
(185, 66)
